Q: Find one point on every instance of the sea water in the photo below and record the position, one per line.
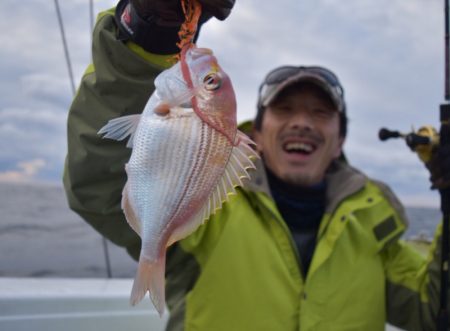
(41, 237)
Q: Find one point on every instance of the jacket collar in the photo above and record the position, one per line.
(342, 181)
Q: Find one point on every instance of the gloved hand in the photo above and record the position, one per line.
(439, 167)
(220, 9)
(170, 10)
(154, 24)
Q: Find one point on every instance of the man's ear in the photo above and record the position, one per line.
(339, 147)
(257, 138)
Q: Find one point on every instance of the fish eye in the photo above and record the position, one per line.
(212, 81)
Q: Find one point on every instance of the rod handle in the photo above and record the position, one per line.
(385, 134)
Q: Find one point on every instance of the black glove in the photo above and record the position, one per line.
(220, 9)
(439, 167)
(170, 10)
(154, 24)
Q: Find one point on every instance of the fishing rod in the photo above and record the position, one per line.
(424, 141)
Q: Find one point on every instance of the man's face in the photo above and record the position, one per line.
(299, 135)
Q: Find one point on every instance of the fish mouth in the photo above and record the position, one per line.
(199, 52)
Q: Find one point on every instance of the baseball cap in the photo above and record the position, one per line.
(282, 77)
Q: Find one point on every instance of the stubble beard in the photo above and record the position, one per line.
(300, 180)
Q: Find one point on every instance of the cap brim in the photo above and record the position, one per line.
(272, 91)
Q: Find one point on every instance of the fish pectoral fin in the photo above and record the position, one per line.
(128, 210)
(150, 278)
(120, 128)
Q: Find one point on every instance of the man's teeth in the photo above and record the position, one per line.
(299, 147)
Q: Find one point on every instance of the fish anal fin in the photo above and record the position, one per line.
(150, 278)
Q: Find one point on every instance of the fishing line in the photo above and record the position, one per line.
(66, 49)
(72, 83)
(104, 241)
(91, 15)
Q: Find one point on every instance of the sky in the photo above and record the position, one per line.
(388, 54)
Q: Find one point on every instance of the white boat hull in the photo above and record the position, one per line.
(72, 305)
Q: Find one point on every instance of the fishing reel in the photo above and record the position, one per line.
(422, 141)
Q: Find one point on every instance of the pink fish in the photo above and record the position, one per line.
(187, 157)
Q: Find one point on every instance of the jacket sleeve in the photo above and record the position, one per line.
(412, 281)
(118, 82)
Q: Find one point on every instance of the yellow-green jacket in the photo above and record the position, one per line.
(241, 271)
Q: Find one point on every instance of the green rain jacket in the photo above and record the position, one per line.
(241, 270)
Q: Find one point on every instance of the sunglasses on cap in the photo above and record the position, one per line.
(284, 73)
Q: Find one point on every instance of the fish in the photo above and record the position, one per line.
(187, 158)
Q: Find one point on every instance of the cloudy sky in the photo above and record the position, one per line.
(387, 53)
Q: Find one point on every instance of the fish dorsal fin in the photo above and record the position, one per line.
(120, 128)
(241, 159)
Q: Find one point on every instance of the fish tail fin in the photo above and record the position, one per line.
(150, 277)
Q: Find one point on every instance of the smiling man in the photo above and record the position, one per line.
(298, 126)
(310, 243)
(299, 129)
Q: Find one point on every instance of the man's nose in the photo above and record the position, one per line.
(301, 118)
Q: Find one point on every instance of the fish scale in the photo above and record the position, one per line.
(152, 161)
